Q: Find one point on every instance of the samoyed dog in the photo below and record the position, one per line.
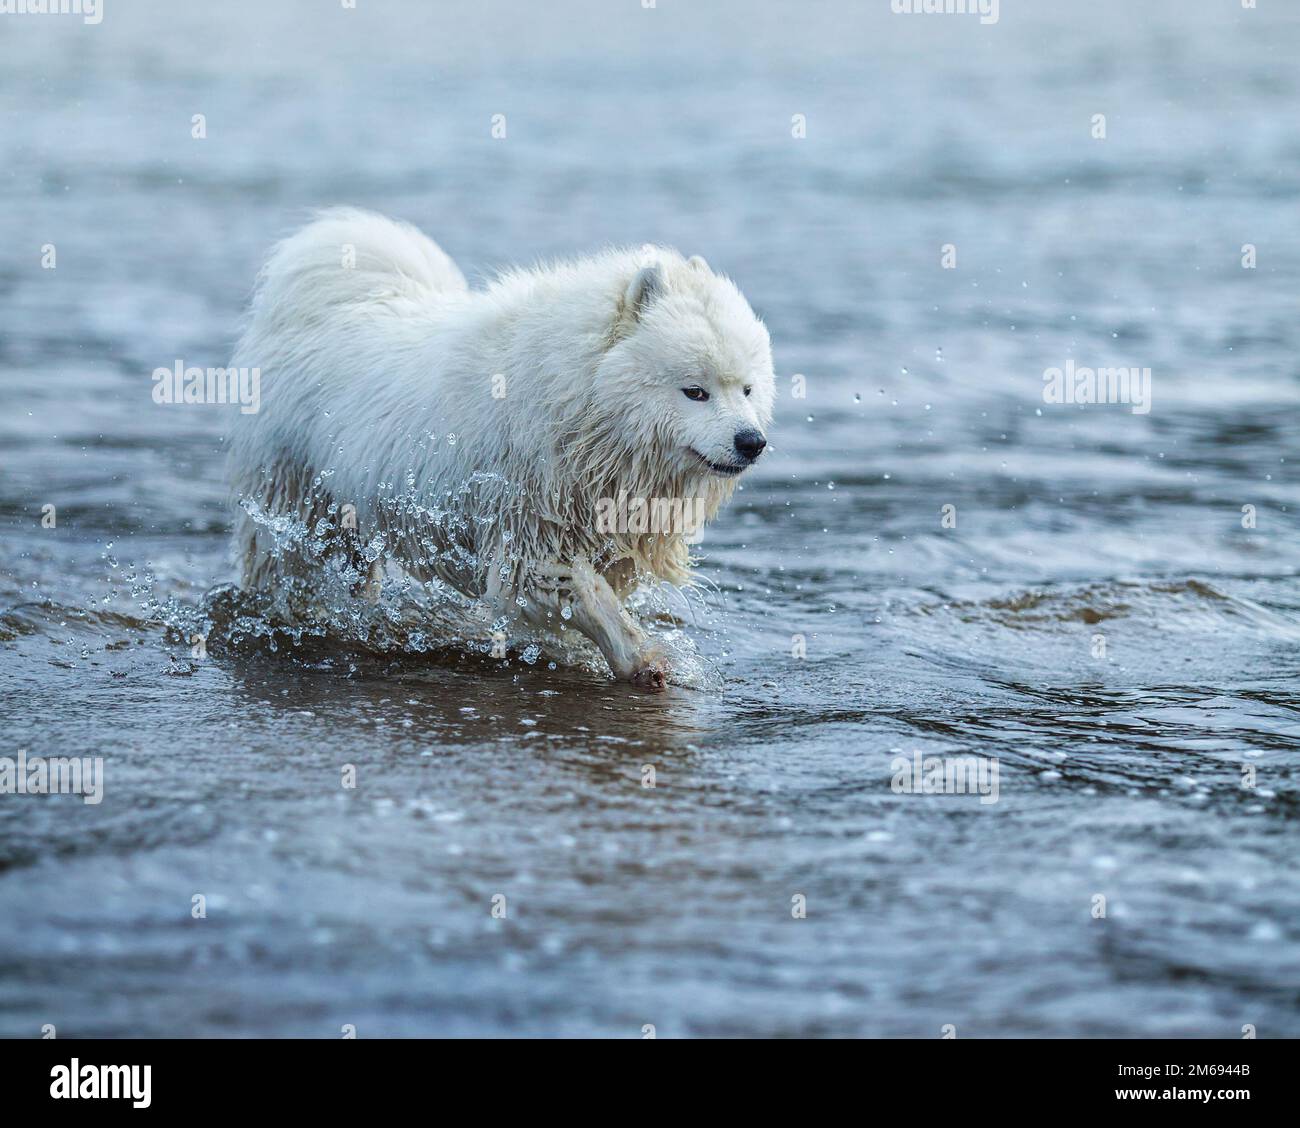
(528, 444)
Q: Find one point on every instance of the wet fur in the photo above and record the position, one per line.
(367, 369)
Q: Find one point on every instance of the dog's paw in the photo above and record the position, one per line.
(653, 678)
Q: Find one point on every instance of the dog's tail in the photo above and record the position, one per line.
(317, 299)
(347, 257)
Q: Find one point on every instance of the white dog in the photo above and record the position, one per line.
(479, 438)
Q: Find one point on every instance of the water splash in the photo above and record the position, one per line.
(332, 594)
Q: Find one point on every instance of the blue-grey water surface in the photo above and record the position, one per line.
(1121, 761)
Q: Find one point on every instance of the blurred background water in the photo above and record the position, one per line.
(1121, 774)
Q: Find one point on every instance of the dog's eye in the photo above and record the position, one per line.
(695, 392)
(748, 389)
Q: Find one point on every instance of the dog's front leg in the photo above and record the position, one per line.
(373, 585)
(599, 615)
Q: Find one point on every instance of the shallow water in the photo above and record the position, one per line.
(1120, 771)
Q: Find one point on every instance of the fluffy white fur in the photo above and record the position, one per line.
(381, 375)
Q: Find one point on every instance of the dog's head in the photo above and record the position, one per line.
(689, 372)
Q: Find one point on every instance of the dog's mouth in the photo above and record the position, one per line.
(726, 469)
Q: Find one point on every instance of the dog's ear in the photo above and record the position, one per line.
(698, 262)
(642, 290)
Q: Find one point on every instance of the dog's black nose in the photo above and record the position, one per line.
(750, 443)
